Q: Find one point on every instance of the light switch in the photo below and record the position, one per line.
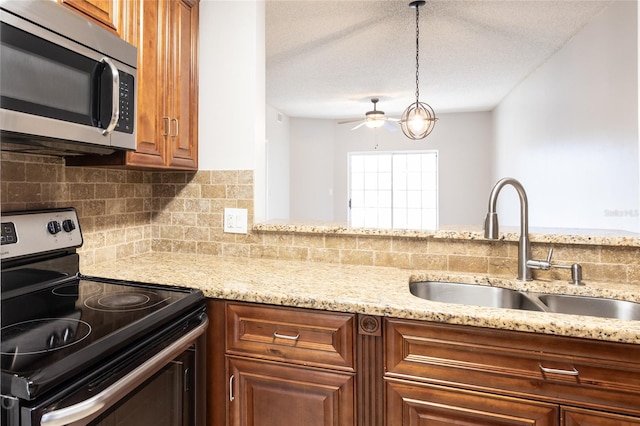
(235, 221)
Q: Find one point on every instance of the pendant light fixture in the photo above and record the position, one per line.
(418, 119)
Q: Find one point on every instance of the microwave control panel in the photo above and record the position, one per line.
(127, 103)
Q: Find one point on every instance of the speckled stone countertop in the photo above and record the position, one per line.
(366, 289)
(467, 232)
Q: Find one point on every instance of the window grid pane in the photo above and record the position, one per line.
(394, 189)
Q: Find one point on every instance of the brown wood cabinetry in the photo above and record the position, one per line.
(436, 368)
(289, 365)
(419, 404)
(579, 417)
(166, 35)
(102, 12)
(273, 394)
(273, 365)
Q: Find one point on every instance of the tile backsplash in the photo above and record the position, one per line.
(130, 212)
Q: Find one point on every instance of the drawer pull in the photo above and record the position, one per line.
(284, 336)
(572, 372)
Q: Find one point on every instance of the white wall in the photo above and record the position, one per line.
(277, 126)
(569, 132)
(232, 91)
(312, 169)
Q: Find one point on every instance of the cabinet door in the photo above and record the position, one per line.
(272, 394)
(182, 141)
(415, 404)
(579, 417)
(101, 12)
(151, 17)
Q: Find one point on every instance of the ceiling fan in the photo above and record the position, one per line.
(374, 119)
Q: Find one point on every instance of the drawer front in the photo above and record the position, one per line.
(416, 404)
(579, 417)
(302, 336)
(595, 374)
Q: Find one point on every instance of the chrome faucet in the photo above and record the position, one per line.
(491, 225)
(525, 263)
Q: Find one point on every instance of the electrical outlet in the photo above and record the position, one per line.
(235, 221)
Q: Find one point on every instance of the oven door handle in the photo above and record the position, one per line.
(85, 411)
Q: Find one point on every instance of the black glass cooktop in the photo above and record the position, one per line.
(51, 331)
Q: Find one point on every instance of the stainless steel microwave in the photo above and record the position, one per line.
(67, 86)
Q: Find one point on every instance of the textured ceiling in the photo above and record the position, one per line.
(326, 59)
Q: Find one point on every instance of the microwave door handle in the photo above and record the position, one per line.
(85, 411)
(115, 96)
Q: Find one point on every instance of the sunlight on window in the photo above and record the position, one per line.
(394, 190)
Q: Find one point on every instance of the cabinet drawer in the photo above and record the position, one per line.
(590, 373)
(308, 337)
(579, 417)
(410, 404)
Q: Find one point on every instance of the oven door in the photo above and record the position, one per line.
(159, 381)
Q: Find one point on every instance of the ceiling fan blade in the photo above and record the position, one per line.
(349, 121)
(359, 125)
(393, 119)
(392, 126)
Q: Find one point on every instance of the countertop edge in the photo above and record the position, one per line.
(380, 291)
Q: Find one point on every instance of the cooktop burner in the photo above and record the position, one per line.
(42, 335)
(73, 289)
(68, 318)
(125, 301)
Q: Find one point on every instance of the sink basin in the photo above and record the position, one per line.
(497, 297)
(472, 294)
(592, 306)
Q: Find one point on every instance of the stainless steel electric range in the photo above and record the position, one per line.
(78, 350)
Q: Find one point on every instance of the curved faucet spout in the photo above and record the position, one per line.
(491, 224)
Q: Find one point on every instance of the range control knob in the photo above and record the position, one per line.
(68, 225)
(54, 227)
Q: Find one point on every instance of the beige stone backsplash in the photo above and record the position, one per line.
(129, 212)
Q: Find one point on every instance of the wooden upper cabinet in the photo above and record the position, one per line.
(102, 12)
(166, 35)
(150, 39)
(167, 126)
(182, 108)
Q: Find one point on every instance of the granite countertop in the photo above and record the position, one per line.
(574, 236)
(371, 290)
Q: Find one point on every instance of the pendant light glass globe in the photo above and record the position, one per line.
(418, 120)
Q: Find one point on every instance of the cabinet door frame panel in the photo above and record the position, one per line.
(417, 404)
(508, 363)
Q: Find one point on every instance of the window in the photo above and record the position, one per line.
(393, 189)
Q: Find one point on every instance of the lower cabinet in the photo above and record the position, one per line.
(289, 366)
(271, 394)
(273, 366)
(438, 374)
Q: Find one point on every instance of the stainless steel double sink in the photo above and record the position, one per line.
(498, 297)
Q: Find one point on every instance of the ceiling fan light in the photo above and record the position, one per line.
(375, 123)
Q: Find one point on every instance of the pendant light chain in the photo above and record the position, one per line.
(417, 54)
